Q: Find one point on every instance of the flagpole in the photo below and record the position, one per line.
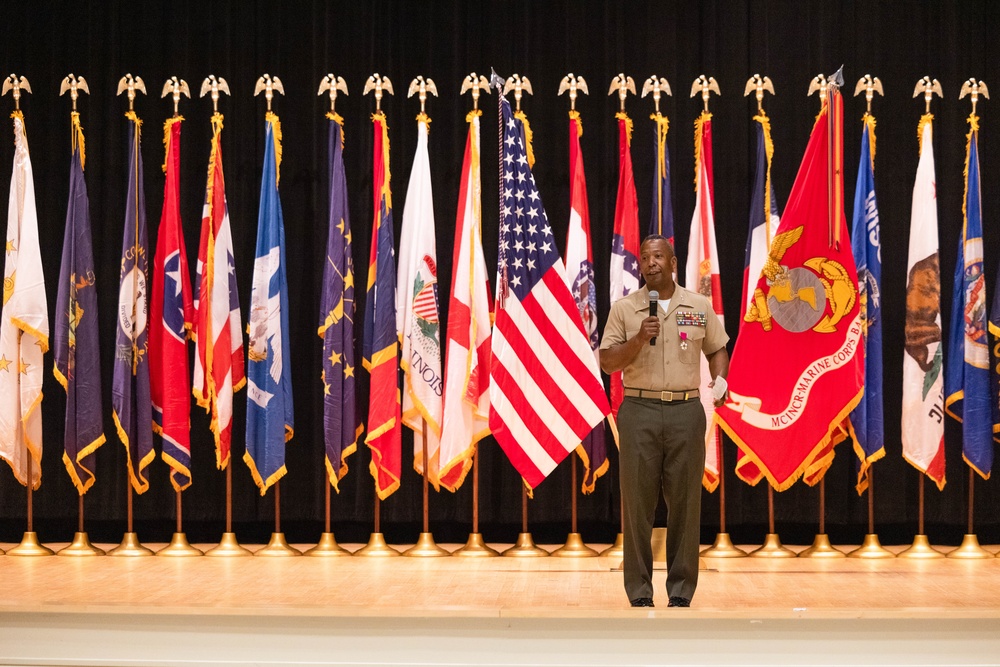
(723, 546)
(921, 547)
(970, 549)
(179, 545)
(30, 546)
(475, 546)
(574, 546)
(525, 546)
(425, 546)
(772, 547)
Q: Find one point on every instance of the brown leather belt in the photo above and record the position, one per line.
(665, 396)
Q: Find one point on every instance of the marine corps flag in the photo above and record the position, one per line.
(866, 420)
(77, 364)
(580, 280)
(381, 345)
(270, 415)
(418, 323)
(130, 400)
(967, 376)
(218, 359)
(923, 366)
(702, 274)
(171, 315)
(624, 273)
(798, 367)
(341, 428)
(470, 317)
(24, 323)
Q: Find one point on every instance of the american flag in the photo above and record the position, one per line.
(545, 391)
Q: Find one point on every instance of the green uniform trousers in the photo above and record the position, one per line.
(662, 450)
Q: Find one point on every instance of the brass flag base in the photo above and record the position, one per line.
(130, 546)
(228, 547)
(327, 547)
(426, 548)
(30, 546)
(821, 548)
(525, 548)
(179, 546)
(377, 548)
(476, 547)
(81, 546)
(278, 546)
(772, 548)
(970, 549)
(921, 548)
(871, 548)
(574, 548)
(616, 550)
(723, 548)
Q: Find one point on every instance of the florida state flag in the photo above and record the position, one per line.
(798, 366)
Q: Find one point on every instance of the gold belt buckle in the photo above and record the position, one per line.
(667, 396)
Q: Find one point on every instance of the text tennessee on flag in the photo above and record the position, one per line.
(545, 391)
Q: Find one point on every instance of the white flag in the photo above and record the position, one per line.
(467, 369)
(417, 314)
(702, 277)
(24, 325)
(923, 384)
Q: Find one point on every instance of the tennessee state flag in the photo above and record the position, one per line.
(470, 318)
(171, 317)
(381, 345)
(624, 274)
(798, 367)
(218, 362)
(702, 274)
(580, 280)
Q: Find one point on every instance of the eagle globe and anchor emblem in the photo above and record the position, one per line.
(796, 298)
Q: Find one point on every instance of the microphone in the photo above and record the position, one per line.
(654, 297)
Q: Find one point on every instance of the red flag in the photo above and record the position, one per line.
(624, 242)
(798, 367)
(171, 315)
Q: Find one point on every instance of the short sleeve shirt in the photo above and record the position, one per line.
(688, 329)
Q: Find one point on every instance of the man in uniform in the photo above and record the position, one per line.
(661, 421)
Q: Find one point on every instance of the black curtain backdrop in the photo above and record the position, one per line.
(788, 40)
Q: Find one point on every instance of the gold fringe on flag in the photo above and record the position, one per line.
(973, 122)
(868, 121)
(339, 120)
(765, 124)
(272, 118)
(166, 138)
(699, 123)
(575, 115)
(926, 119)
(621, 115)
(521, 116)
(77, 140)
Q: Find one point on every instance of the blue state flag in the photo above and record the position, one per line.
(270, 421)
(967, 376)
(661, 219)
(130, 397)
(866, 419)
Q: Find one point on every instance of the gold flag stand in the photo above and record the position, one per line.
(871, 547)
(229, 546)
(130, 545)
(723, 546)
(921, 547)
(475, 546)
(525, 546)
(821, 547)
(970, 549)
(30, 546)
(772, 547)
(377, 546)
(425, 546)
(179, 545)
(81, 546)
(574, 547)
(278, 546)
(327, 545)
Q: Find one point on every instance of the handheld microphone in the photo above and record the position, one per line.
(654, 297)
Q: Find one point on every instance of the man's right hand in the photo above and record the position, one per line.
(649, 329)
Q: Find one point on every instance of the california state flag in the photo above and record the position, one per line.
(702, 274)
(24, 326)
(417, 318)
(470, 318)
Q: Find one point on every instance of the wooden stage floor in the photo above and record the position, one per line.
(497, 611)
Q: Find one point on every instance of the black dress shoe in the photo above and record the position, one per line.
(641, 602)
(678, 601)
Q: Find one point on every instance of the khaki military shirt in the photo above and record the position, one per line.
(669, 365)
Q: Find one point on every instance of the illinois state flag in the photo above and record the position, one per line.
(923, 366)
(866, 420)
(130, 398)
(218, 359)
(967, 377)
(381, 345)
(702, 275)
(270, 415)
(171, 314)
(470, 317)
(417, 318)
(545, 389)
(624, 274)
(798, 367)
(661, 220)
(341, 428)
(580, 280)
(24, 323)
(77, 364)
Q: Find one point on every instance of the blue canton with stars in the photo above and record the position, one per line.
(527, 250)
